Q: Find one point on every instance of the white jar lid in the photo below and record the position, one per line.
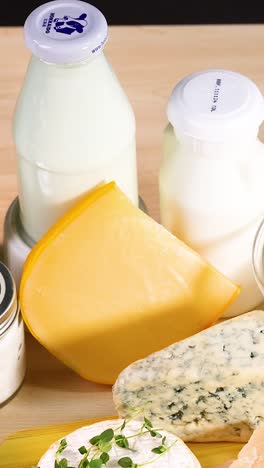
(65, 31)
(216, 105)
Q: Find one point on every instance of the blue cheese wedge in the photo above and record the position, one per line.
(209, 387)
(140, 448)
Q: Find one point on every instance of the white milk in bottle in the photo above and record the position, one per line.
(73, 126)
(211, 177)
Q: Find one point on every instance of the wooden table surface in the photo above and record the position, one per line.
(148, 61)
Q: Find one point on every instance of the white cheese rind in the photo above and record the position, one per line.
(179, 455)
(209, 387)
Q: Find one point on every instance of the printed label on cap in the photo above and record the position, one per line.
(78, 23)
(65, 25)
(216, 93)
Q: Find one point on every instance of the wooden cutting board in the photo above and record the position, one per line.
(24, 449)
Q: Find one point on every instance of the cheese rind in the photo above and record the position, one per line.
(252, 454)
(209, 387)
(140, 447)
(107, 285)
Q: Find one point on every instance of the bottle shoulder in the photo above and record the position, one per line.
(88, 86)
(193, 175)
(211, 152)
(71, 104)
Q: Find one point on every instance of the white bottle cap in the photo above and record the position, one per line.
(65, 31)
(216, 105)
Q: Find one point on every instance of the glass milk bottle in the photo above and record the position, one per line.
(211, 176)
(74, 127)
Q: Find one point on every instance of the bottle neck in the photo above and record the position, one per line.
(237, 147)
(91, 59)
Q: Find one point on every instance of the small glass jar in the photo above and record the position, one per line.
(12, 343)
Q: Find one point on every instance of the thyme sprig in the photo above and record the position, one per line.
(97, 454)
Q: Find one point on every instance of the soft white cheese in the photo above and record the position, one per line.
(208, 387)
(178, 456)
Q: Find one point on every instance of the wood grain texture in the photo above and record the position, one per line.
(27, 447)
(148, 61)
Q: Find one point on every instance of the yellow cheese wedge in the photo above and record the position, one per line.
(108, 285)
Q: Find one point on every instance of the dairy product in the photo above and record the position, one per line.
(252, 454)
(208, 387)
(211, 188)
(140, 447)
(108, 285)
(73, 126)
(12, 345)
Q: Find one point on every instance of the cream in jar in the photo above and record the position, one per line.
(12, 344)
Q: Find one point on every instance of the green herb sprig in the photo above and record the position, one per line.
(97, 455)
